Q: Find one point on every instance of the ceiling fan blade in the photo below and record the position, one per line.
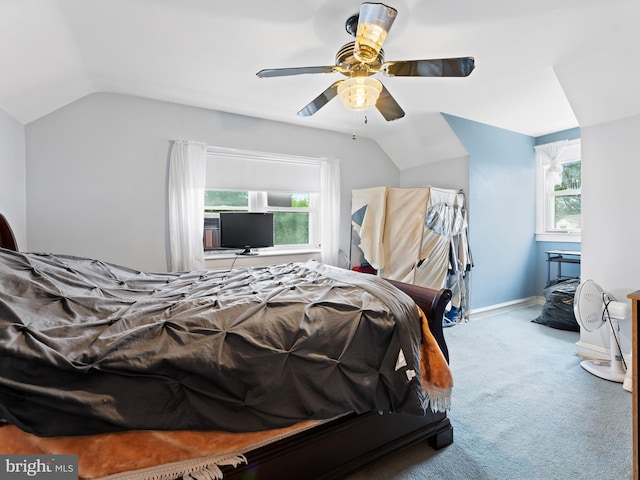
(388, 106)
(374, 22)
(443, 67)
(285, 72)
(321, 100)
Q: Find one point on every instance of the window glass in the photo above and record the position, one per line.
(566, 200)
(218, 199)
(570, 178)
(291, 225)
(559, 196)
(567, 213)
(291, 228)
(280, 199)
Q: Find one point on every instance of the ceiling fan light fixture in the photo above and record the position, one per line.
(374, 22)
(359, 93)
(362, 58)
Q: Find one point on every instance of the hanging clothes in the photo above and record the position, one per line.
(460, 263)
(416, 235)
(434, 263)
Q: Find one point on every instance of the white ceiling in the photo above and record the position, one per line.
(541, 66)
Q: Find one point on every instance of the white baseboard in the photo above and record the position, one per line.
(482, 312)
(589, 351)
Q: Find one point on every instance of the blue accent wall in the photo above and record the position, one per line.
(508, 263)
(570, 134)
(501, 207)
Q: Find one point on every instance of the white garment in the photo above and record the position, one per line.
(368, 211)
(389, 223)
(415, 235)
(403, 232)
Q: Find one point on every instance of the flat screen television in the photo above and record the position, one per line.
(246, 230)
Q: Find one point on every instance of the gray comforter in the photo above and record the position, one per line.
(89, 347)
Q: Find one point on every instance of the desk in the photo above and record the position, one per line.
(560, 257)
(635, 309)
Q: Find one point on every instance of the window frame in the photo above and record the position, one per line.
(314, 230)
(236, 169)
(545, 196)
(258, 202)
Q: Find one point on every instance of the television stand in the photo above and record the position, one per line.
(247, 251)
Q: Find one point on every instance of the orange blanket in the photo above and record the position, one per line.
(146, 454)
(142, 455)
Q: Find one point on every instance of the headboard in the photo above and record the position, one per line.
(7, 239)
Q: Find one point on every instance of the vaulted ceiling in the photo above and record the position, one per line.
(541, 66)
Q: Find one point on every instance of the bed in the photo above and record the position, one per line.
(284, 437)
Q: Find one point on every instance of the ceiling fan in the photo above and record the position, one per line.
(360, 59)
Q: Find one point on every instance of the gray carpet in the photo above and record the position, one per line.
(523, 408)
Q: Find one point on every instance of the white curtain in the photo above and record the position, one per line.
(186, 205)
(552, 152)
(330, 211)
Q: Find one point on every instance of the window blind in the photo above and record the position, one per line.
(231, 169)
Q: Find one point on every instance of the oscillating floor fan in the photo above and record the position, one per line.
(593, 308)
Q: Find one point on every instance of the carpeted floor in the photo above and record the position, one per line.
(523, 409)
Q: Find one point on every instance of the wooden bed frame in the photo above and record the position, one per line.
(339, 447)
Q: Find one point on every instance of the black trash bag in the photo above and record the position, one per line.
(557, 311)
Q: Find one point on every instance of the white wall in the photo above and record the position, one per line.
(610, 201)
(96, 171)
(12, 176)
(452, 174)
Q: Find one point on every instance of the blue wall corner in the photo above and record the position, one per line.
(501, 207)
(570, 134)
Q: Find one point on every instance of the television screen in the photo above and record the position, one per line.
(246, 230)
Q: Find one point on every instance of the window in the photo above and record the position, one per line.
(558, 216)
(295, 215)
(302, 192)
